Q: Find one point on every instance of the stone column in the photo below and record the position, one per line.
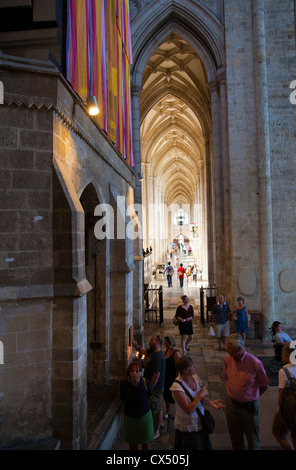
(210, 206)
(135, 96)
(138, 246)
(226, 186)
(263, 155)
(147, 200)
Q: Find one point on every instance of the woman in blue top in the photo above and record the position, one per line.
(242, 319)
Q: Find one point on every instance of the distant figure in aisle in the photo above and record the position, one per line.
(242, 323)
(181, 273)
(220, 321)
(194, 273)
(169, 271)
(188, 274)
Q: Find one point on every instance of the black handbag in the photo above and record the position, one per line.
(207, 420)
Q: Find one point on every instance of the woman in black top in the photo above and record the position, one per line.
(137, 416)
(185, 314)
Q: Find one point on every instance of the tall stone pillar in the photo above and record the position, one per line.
(147, 199)
(226, 186)
(215, 205)
(263, 155)
(138, 247)
(135, 96)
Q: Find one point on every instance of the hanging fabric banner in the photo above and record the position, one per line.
(98, 60)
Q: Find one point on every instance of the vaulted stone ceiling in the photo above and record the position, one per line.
(174, 118)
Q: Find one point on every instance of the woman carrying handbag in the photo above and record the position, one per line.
(189, 394)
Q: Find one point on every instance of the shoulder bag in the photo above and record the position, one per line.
(175, 320)
(207, 420)
(289, 399)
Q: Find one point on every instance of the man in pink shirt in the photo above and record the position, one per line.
(246, 382)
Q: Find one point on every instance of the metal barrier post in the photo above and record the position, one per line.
(160, 297)
(202, 313)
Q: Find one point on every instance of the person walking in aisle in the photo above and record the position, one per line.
(181, 273)
(169, 271)
(185, 314)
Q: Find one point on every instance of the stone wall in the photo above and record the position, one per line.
(266, 140)
(281, 69)
(25, 269)
(57, 165)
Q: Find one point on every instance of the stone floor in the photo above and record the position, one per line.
(208, 361)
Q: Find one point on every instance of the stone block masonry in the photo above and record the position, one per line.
(25, 166)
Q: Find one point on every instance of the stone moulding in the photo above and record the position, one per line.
(247, 281)
(35, 102)
(287, 280)
(28, 101)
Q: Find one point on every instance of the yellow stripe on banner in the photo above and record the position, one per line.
(114, 81)
(81, 50)
(98, 89)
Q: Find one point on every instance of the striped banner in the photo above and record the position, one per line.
(99, 55)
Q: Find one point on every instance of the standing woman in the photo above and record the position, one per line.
(137, 416)
(242, 319)
(171, 356)
(185, 314)
(189, 434)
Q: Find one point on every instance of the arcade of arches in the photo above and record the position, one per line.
(214, 137)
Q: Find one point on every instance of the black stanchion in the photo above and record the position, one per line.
(202, 305)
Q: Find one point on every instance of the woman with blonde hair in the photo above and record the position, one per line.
(185, 314)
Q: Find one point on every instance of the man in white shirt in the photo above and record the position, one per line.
(281, 429)
(280, 336)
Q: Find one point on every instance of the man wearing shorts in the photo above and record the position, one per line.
(220, 321)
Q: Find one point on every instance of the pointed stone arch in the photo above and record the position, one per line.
(204, 32)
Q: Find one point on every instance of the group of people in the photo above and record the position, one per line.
(170, 376)
(181, 272)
